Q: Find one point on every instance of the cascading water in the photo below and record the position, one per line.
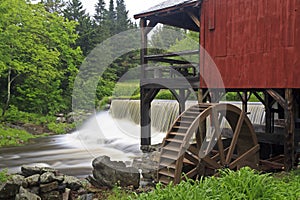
(164, 112)
(115, 133)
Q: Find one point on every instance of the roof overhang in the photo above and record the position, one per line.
(185, 15)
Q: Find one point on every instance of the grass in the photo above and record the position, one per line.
(13, 137)
(245, 184)
(4, 176)
(15, 116)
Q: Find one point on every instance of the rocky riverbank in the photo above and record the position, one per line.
(34, 183)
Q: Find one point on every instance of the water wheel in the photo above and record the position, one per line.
(205, 138)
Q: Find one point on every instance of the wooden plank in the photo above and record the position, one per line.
(172, 54)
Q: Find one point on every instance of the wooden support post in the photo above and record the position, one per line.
(268, 109)
(145, 119)
(144, 41)
(145, 104)
(244, 98)
(181, 100)
(289, 136)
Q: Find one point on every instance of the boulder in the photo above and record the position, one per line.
(33, 180)
(29, 171)
(72, 182)
(54, 195)
(19, 180)
(26, 195)
(44, 188)
(9, 190)
(47, 177)
(109, 173)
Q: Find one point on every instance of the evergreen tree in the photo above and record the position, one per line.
(100, 12)
(122, 21)
(100, 23)
(111, 17)
(75, 12)
(54, 5)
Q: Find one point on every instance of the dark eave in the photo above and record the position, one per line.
(180, 15)
(157, 10)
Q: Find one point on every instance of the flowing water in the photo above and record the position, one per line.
(117, 137)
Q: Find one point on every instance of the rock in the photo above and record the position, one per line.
(49, 187)
(47, 169)
(26, 195)
(60, 179)
(47, 177)
(66, 194)
(19, 180)
(54, 195)
(87, 197)
(29, 171)
(72, 182)
(9, 190)
(33, 180)
(109, 173)
(34, 190)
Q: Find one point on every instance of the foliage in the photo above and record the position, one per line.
(165, 36)
(15, 137)
(60, 128)
(233, 96)
(14, 115)
(37, 62)
(243, 184)
(118, 193)
(165, 94)
(53, 5)
(3, 176)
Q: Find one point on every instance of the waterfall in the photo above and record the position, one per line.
(164, 112)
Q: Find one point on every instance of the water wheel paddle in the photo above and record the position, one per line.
(205, 138)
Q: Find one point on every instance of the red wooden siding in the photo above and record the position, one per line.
(254, 43)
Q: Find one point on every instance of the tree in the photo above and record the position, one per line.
(54, 5)
(122, 21)
(35, 57)
(75, 12)
(111, 17)
(100, 12)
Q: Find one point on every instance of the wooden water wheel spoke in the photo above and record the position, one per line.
(193, 150)
(192, 173)
(244, 156)
(216, 123)
(196, 155)
(191, 158)
(218, 154)
(235, 137)
(212, 162)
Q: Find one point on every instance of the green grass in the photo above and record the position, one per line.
(13, 137)
(15, 116)
(243, 184)
(4, 176)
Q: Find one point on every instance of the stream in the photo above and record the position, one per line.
(72, 154)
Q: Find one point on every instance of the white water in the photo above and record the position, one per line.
(101, 135)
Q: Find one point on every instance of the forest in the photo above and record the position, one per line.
(44, 44)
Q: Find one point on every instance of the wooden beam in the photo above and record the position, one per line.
(289, 136)
(277, 97)
(195, 19)
(144, 41)
(172, 54)
(150, 26)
